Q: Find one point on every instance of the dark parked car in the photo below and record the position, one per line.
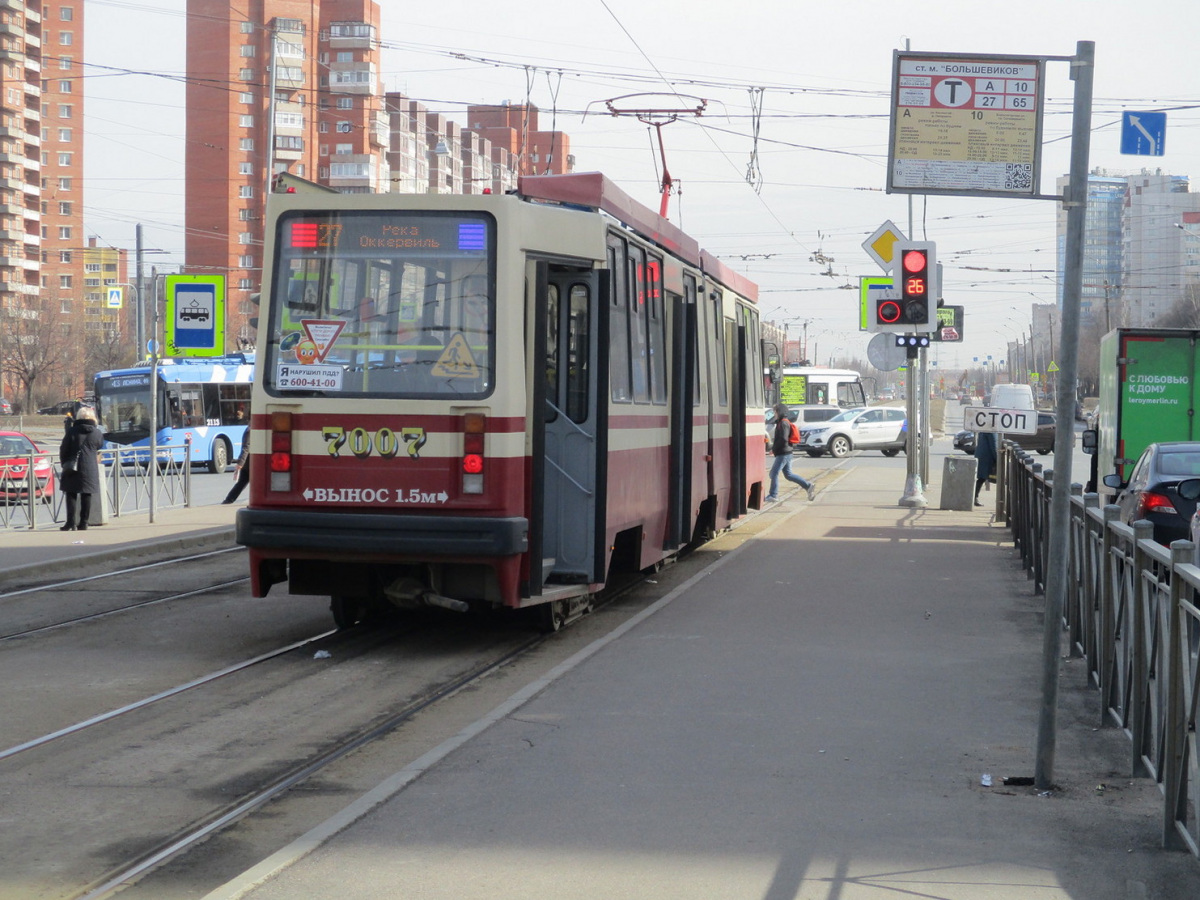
(965, 441)
(1152, 491)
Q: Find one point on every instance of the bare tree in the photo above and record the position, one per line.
(42, 343)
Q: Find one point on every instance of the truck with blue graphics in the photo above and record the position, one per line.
(1148, 380)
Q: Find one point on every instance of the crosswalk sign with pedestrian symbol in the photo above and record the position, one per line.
(456, 360)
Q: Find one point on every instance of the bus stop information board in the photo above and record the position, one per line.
(965, 125)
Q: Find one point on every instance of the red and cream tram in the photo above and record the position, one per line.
(493, 400)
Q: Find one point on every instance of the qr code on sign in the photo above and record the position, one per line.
(1018, 176)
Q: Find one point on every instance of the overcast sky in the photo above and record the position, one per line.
(824, 69)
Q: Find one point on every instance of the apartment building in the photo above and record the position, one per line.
(274, 86)
(41, 159)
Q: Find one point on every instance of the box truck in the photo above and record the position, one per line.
(1147, 395)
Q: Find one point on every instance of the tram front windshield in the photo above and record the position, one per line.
(382, 304)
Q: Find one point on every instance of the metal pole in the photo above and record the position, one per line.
(138, 311)
(1082, 71)
(152, 471)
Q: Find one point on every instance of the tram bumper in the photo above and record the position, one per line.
(389, 535)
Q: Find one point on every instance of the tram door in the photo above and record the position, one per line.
(572, 481)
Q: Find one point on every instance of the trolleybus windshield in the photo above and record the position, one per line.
(396, 303)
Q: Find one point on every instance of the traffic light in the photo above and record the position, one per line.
(915, 267)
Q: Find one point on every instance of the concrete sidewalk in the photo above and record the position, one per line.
(811, 716)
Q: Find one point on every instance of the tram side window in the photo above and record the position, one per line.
(618, 324)
(719, 348)
(579, 362)
(689, 302)
(639, 351)
(658, 332)
(552, 361)
(754, 385)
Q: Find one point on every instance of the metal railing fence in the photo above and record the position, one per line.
(126, 486)
(1132, 613)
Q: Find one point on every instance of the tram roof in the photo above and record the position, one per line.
(594, 190)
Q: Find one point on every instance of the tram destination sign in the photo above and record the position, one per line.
(966, 125)
(997, 421)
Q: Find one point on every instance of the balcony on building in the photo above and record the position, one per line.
(32, 65)
(31, 89)
(289, 147)
(353, 171)
(287, 76)
(351, 36)
(12, 29)
(32, 16)
(379, 131)
(352, 78)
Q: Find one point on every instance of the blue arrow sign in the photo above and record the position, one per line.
(1143, 133)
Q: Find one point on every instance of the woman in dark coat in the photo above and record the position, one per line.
(79, 445)
(985, 453)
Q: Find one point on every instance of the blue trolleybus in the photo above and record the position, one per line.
(206, 401)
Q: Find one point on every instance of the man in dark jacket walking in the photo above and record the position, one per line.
(80, 468)
(782, 449)
(243, 470)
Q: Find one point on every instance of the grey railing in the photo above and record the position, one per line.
(126, 480)
(1132, 613)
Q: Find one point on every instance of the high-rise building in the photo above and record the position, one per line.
(41, 158)
(274, 86)
(1140, 254)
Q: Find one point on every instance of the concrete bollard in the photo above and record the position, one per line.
(958, 482)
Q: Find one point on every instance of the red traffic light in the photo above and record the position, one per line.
(888, 312)
(916, 260)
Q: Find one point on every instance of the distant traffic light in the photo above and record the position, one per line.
(916, 284)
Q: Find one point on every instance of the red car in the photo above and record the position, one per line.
(15, 450)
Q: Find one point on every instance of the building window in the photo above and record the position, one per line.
(345, 103)
(64, 232)
(246, 74)
(246, 50)
(245, 143)
(246, 261)
(348, 170)
(245, 191)
(64, 184)
(289, 120)
(65, 110)
(244, 238)
(245, 97)
(91, 282)
(324, 149)
(66, 13)
(64, 87)
(246, 284)
(244, 215)
(64, 159)
(322, 171)
(345, 56)
(66, 38)
(247, 28)
(291, 73)
(343, 148)
(64, 63)
(300, 170)
(64, 305)
(64, 256)
(64, 209)
(92, 267)
(289, 142)
(323, 127)
(64, 135)
(245, 168)
(246, 121)
(345, 127)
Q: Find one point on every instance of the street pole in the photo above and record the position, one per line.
(1075, 201)
(138, 311)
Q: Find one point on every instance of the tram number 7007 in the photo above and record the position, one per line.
(362, 443)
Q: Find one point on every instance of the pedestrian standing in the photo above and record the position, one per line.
(80, 468)
(782, 448)
(985, 460)
(243, 470)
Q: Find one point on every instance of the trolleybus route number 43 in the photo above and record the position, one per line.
(361, 443)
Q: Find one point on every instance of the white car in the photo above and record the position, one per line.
(874, 428)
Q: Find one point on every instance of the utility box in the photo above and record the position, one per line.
(958, 482)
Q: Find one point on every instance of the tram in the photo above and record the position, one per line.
(493, 400)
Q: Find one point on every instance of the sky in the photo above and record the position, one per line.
(782, 175)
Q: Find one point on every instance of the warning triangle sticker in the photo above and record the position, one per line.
(323, 333)
(456, 360)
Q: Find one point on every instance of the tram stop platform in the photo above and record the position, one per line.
(826, 707)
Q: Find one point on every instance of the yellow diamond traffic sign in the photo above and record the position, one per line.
(882, 243)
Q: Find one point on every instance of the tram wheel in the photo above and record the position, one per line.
(552, 616)
(347, 611)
